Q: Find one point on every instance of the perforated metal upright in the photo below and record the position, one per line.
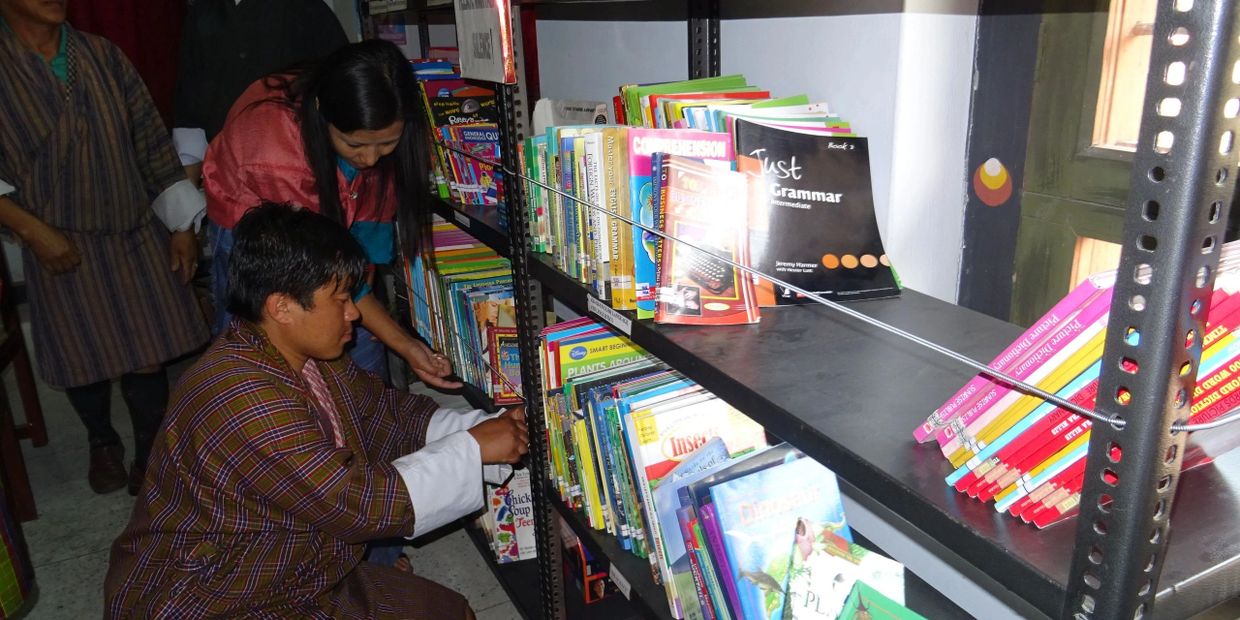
(703, 38)
(1182, 183)
(515, 113)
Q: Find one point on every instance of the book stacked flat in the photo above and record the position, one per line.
(743, 179)
(462, 304)
(1027, 455)
(732, 527)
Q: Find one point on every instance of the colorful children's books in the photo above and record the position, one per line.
(867, 603)
(813, 222)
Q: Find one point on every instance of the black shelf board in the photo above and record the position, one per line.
(519, 579)
(480, 221)
(849, 395)
(647, 599)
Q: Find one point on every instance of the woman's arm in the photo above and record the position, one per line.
(429, 367)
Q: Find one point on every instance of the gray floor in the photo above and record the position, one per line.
(69, 541)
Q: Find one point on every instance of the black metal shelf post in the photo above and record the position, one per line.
(703, 38)
(514, 114)
(1182, 178)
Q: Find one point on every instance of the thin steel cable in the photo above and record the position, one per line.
(959, 357)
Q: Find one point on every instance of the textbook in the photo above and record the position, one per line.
(812, 221)
(705, 207)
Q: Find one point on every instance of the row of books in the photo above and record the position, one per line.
(779, 185)
(463, 118)
(732, 526)
(462, 304)
(1027, 455)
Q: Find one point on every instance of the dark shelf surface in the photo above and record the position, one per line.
(849, 395)
(647, 598)
(480, 221)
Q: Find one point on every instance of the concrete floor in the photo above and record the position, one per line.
(69, 541)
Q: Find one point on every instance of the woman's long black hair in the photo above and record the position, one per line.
(362, 86)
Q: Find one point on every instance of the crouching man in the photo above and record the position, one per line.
(279, 459)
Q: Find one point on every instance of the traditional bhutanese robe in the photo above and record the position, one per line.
(251, 509)
(88, 156)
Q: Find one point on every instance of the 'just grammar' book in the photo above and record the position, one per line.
(812, 217)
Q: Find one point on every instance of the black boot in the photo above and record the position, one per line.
(146, 395)
(93, 404)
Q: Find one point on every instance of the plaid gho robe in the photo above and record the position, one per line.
(250, 511)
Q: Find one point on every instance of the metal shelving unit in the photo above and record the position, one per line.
(825, 382)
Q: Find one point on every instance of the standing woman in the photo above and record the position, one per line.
(87, 173)
(339, 137)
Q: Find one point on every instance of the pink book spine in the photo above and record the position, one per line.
(1065, 338)
(1006, 360)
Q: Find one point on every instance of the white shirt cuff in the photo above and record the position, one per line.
(6, 188)
(190, 143)
(444, 480)
(446, 421)
(181, 207)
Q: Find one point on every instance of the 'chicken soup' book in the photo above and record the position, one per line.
(757, 514)
(812, 217)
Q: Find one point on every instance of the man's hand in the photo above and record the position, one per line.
(430, 367)
(184, 254)
(503, 439)
(56, 252)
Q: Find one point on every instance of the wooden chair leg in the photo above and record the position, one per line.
(13, 467)
(34, 429)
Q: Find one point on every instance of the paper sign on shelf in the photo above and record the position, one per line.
(484, 35)
(378, 7)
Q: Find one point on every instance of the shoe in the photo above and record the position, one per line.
(137, 473)
(107, 469)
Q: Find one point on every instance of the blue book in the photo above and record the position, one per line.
(756, 512)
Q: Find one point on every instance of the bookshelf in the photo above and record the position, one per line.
(809, 375)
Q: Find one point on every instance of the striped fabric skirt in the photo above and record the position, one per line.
(121, 310)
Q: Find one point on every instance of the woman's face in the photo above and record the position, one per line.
(364, 147)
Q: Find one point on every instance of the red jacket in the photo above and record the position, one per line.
(259, 156)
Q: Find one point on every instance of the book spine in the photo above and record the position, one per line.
(718, 554)
(1030, 340)
(658, 208)
(684, 517)
(1068, 339)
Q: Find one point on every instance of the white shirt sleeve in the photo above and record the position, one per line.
(6, 188)
(181, 206)
(444, 478)
(190, 143)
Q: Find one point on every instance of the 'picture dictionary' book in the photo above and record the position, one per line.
(812, 220)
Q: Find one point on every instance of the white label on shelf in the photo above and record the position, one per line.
(612, 316)
(462, 219)
(387, 6)
(622, 584)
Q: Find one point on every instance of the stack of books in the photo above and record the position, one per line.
(462, 304)
(732, 527)
(779, 185)
(1027, 455)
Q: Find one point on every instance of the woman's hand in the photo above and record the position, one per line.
(430, 367)
(184, 254)
(56, 252)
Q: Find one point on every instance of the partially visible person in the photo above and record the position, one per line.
(226, 45)
(91, 186)
(280, 457)
(342, 138)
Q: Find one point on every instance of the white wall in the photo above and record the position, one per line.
(902, 79)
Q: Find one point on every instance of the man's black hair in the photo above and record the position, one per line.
(278, 248)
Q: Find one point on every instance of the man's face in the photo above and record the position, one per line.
(321, 331)
(46, 12)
